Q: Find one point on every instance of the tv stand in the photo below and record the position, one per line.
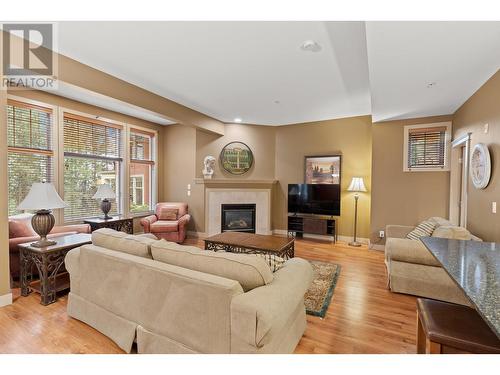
(300, 224)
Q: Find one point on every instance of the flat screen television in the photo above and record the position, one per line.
(319, 199)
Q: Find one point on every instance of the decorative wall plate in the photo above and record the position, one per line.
(480, 166)
(236, 158)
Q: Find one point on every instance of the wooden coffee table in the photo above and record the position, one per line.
(249, 243)
(49, 262)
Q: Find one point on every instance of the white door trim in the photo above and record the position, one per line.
(461, 141)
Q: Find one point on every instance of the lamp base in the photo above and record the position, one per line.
(43, 222)
(43, 243)
(105, 208)
(354, 244)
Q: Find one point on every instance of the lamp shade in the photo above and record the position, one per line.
(42, 196)
(357, 184)
(104, 191)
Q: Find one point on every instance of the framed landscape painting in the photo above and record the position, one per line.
(322, 169)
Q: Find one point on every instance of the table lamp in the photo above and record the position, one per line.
(43, 198)
(105, 193)
(357, 185)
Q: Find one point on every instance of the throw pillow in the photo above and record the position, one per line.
(167, 213)
(273, 261)
(424, 229)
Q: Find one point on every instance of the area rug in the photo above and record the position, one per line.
(320, 293)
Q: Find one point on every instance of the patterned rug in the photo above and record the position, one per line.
(320, 293)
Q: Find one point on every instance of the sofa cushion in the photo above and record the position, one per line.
(250, 271)
(123, 242)
(424, 229)
(168, 213)
(453, 232)
(162, 226)
(20, 226)
(410, 251)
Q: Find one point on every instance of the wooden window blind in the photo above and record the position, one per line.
(30, 149)
(92, 156)
(427, 147)
(141, 171)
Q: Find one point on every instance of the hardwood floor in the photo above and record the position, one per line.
(363, 317)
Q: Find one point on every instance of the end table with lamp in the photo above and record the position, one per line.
(46, 255)
(357, 185)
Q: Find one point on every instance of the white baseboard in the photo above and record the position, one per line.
(6, 299)
(194, 234)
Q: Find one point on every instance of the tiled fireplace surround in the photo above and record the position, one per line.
(215, 197)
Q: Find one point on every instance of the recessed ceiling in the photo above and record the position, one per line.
(261, 73)
(428, 68)
(255, 71)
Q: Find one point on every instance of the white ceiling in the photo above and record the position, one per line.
(406, 56)
(256, 71)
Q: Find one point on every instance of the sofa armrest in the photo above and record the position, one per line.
(79, 228)
(184, 220)
(14, 242)
(409, 251)
(71, 262)
(147, 221)
(398, 231)
(255, 315)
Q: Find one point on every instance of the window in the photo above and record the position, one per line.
(427, 147)
(92, 156)
(141, 171)
(30, 149)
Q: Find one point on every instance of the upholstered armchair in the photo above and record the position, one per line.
(169, 221)
(21, 231)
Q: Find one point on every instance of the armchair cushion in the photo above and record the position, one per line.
(181, 206)
(168, 213)
(163, 226)
(451, 231)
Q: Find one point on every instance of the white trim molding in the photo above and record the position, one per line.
(6, 300)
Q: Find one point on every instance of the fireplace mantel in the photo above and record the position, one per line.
(233, 181)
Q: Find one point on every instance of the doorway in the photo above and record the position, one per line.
(459, 180)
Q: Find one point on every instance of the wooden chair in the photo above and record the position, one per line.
(446, 328)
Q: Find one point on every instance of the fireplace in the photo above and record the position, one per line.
(238, 218)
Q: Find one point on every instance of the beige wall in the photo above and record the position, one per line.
(4, 227)
(179, 147)
(279, 154)
(260, 139)
(483, 108)
(403, 197)
(350, 137)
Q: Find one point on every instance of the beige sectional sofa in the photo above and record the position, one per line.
(413, 270)
(170, 298)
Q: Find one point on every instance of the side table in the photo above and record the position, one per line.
(119, 223)
(49, 262)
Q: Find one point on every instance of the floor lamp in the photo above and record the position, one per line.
(357, 185)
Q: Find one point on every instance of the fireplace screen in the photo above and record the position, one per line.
(238, 218)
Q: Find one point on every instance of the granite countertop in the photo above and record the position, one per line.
(475, 267)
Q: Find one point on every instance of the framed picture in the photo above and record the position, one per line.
(324, 169)
(236, 158)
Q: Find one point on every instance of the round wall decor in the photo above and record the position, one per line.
(236, 158)
(480, 166)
